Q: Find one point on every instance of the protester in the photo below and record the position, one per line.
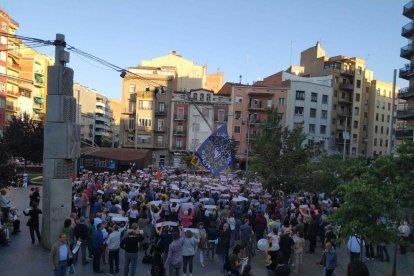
(59, 254)
(81, 234)
(33, 221)
(175, 255)
(189, 250)
(131, 244)
(97, 241)
(113, 242)
(331, 259)
(354, 247)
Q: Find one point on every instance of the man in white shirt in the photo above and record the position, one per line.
(354, 246)
(405, 232)
(113, 242)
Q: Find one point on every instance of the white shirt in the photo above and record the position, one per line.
(63, 252)
(275, 241)
(354, 244)
(232, 223)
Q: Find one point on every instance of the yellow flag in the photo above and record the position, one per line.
(194, 161)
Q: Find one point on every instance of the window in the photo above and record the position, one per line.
(383, 105)
(180, 113)
(375, 141)
(356, 111)
(376, 129)
(386, 143)
(146, 105)
(312, 113)
(376, 117)
(355, 124)
(196, 127)
(180, 127)
(131, 107)
(3, 70)
(160, 140)
(365, 114)
(378, 92)
(238, 99)
(323, 129)
(357, 97)
(359, 70)
(353, 151)
(3, 40)
(237, 115)
(161, 107)
(221, 115)
(300, 95)
(194, 143)
(144, 122)
(388, 130)
(208, 98)
(358, 84)
(144, 139)
(201, 97)
(131, 138)
(160, 124)
(132, 88)
(2, 103)
(269, 104)
(298, 111)
(325, 99)
(354, 138)
(2, 87)
(281, 101)
(195, 96)
(179, 143)
(336, 93)
(311, 141)
(146, 88)
(4, 26)
(382, 130)
(364, 127)
(314, 97)
(236, 129)
(380, 142)
(3, 55)
(131, 123)
(389, 106)
(382, 117)
(311, 128)
(324, 114)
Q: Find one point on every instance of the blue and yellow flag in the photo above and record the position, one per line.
(215, 153)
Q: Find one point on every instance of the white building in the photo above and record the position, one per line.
(310, 106)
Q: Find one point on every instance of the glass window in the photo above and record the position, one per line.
(132, 88)
(237, 115)
(269, 104)
(357, 96)
(201, 97)
(325, 99)
(355, 124)
(236, 129)
(324, 114)
(298, 111)
(314, 97)
(160, 140)
(323, 129)
(3, 55)
(281, 101)
(300, 95)
(221, 115)
(208, 98)
(131, 123)
(160, 124)
(238, 99)
(161, 107)
(358, 84)
(311, 128)
(312, 113)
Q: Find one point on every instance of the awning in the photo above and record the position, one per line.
(38, 78)
(37, 110)
(38, 100)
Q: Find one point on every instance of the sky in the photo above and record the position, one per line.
(252, 38)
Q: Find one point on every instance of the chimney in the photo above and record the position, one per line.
(173, 53)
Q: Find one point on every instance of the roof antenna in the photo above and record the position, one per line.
(240, 79)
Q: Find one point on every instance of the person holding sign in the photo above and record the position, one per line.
(189, 250)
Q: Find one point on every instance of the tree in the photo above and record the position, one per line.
(7, 165)
(277, 154)
(23, 137)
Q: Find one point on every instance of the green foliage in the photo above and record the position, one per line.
(278, 153)
(7, 166)
(23, 137)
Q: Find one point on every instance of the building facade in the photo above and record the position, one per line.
(405, 111)
(94, 104)
(248, 110)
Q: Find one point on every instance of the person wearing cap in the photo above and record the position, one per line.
(81, 234)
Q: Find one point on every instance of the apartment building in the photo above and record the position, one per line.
(193, 120)
(379, 115)
(248, 110)
(351, 99)
(405, 111)
(145, 113)
(116, 106)
(93, 104)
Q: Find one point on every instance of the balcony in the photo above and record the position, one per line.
(102, 119)
(407, 51)
(13, 94)
(12, 108)
(15, 67)
(14, 53)
(344, 100)
(180, 118)
(402, 134)
(408, 10)
(127, 111)
(344, 114)
(180, 132)
(256, 107)
(406, 114)
(179, 147)
(128, 128)
(407, 71)
(161, 113)
(406, 93)
(144, 128)
(408, 30)
(348, 73)
(160, 129)
(100, 103)
(346, 86)
(160, 145)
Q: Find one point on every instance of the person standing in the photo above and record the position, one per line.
(189, 250)
(114, 242)
(5, 205)
(286, 243)
(97, 244)
(203, 242)
(175, 255)
(298, 252)
(259, 225)
(331, 259)
(405, 232)
(60, 254)
(81, 234)
(312, 234)
(245, 236)
(131, 244)
(33, 221)
(354, 247)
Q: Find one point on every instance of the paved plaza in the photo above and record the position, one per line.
(22, 258)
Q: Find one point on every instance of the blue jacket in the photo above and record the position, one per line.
(331, 259)
(97, 239)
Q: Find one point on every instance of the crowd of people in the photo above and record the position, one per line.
(178, 219)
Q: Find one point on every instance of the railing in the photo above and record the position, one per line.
(346, 86)
(348, 72)
(408, 9)
(127, 111)
(406, 92)
(344, 100)
(13, 93)
(405, 114)
(160, 129)
(406, 71)
(406, 50)
(180, 118)
(161, 112)
(344, 114)
(407, 30)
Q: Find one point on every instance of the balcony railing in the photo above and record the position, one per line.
(346, 86)
(348, 72)
(127, 111)
(406, 93)
(160, 129)
(345, 100)
(406, 114)
(181, 132)
(161, 112)
(408, 30)
(401, 134)
(180, 118)
(344, 114)
(407, 71)
(407, 51)
(182, 147)
(12, 108)
(13, 94)
(408, 10)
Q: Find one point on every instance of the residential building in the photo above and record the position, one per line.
(193, 120)
(214, 81)
(379, 115)
(116, 107)
(145, 109)
(406, 95)
(33, 82)
(248, 110)
(350, 101)
(93, 103)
